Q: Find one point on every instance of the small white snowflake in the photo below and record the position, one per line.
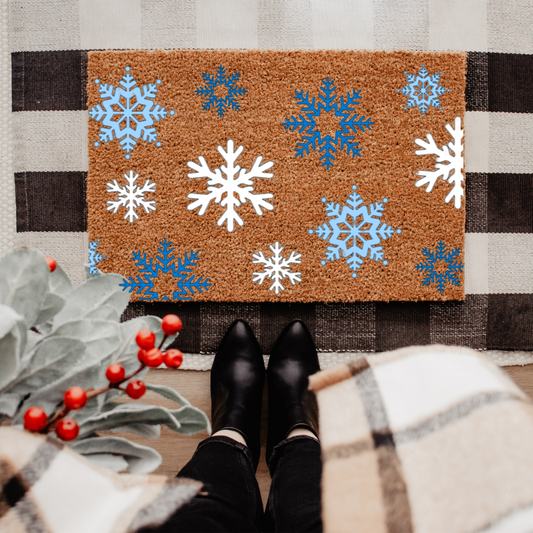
(452, 172)
(276, 267)
(131, 196)
(232, 191)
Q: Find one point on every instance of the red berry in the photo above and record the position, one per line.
(145, 339)
(35, 419)
(115, 373)
(153, 358)
(51, 263)
(67, 429)
(140, 355)
(173, 358)
(75, 398)
(136, 389)
(171, 324)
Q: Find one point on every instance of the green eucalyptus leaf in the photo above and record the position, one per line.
(59, 282)
(115, 463)
(49, 362)
(90, 275)
(84, 375)
(168, 392)
(101, 337)
(125, 414)
(186, 420)
(9, 404)
(143, 430)
(32, 339)
(106, 312)
(13, 331)
(24, 282)
(192, 420)
(52, 304)
(93, 294)
(140, 459)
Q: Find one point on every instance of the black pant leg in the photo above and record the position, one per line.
(233, 500)
(294, 503)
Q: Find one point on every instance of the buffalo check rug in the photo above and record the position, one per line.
(46, 173)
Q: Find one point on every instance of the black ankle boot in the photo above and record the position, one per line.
(237, 379)
(290, 404)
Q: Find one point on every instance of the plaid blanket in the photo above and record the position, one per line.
(47, 488)
(424, 439)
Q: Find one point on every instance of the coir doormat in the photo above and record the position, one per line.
(278, 176)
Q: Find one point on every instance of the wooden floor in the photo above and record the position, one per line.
(177, 449)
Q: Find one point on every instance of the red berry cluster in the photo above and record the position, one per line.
(35, 418)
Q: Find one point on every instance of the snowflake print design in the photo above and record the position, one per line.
(276, 267)
(94, 258)
(354, 232)
(227, 83)
(423, 91)
(164, 262)
(128, 113)
(232, 191)
(307, 126)
(452, 172)
(131, 196)
(452, 266)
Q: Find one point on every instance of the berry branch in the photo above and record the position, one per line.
(75, 398)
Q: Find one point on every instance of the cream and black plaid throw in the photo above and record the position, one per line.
(425, 439)
(47, 488)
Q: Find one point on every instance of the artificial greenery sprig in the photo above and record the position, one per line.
(67, 354)
(35, 418)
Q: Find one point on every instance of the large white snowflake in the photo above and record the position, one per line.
(276, 267)
(230, 191)
(451, 154)
(131, 196)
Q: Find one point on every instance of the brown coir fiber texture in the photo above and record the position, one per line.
(386, 169)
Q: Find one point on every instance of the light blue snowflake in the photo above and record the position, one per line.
(149, 270)
(128, 113)
(94, 258)
(423, 90)
(452, 266)
(354, 232)
(308, 128)
(227, 82)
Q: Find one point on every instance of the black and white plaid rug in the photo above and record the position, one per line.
(49, 41)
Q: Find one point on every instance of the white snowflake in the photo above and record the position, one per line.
(131, 196)
(232, 191)
(452, 172)
(276, 267)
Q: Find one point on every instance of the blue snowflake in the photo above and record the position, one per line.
(354, 232)
(149, 270)
(94, 258)
(128, 113)
(308, 128)
(228, 82)
(423, 91)
(453, 266)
